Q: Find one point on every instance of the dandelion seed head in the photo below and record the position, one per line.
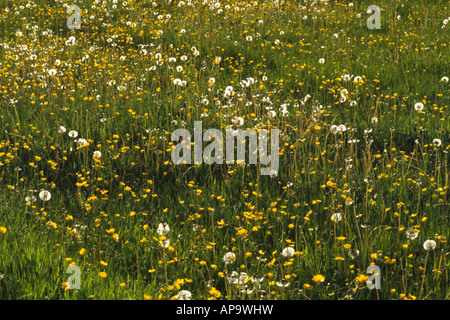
(429, 245)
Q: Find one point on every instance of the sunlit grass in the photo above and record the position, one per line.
(87, 114)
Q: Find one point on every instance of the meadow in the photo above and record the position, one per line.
(86, 177)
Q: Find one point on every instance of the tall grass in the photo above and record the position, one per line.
(371, 194)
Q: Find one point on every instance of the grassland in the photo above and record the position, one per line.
(87, 115)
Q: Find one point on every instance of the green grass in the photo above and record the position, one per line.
(391, 181)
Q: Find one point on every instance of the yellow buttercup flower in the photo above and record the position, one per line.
(242, 232)
(214, 292)
(318, 278)
(361, 278)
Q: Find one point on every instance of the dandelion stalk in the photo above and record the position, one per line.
(423, 276)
